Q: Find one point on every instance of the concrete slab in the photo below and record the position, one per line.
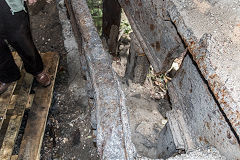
(211, 30)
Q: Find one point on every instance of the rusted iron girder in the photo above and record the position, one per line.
(195, 119)
(113, 132)
(207, 52)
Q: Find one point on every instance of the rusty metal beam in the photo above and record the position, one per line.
(113, 132)
(213, 48)
(196, 120)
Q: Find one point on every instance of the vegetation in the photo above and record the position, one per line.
(95, 7)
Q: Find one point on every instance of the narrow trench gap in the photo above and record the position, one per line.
(20, 133)
(23, 125)
(185, 46)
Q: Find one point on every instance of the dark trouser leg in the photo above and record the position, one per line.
(9, 71)
(21, 39)
(16, 30)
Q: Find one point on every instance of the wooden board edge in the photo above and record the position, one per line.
(16, 118)
(32, 138)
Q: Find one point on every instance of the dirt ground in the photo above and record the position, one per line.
(68, 133)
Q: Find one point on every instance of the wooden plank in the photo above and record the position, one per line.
(30, 101)
(14, 157)
(34, 131)
(6, 97)
(20, 103)
(12, 102)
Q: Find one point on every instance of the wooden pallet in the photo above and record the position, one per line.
(12, 107)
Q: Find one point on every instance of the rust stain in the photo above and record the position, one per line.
(152, 27)
(205, 140)
(213, 76)
(229, 135)
(238, 114)
(158, 46)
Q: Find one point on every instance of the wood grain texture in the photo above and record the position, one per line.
(34, 131)
(14, 157)
(19, 101)
(5, 98)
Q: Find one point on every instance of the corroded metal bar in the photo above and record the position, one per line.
(214, 44)
(113, 132)
(196, 120)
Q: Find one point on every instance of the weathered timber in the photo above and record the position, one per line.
(20, 102)
(210, 29)
(79, 41)
(34, 131)
(111, 23)
(14, 157)
(158, 37)
(113, 132)
(5, 98)
(166, 146)
(196, 120)
(138, 64)
(30, 101)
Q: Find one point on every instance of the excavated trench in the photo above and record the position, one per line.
(123, 113)
(116, 107)
(128, 119)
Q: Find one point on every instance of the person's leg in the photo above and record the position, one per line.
(21, 39)
(9, 72)
(17, 32)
